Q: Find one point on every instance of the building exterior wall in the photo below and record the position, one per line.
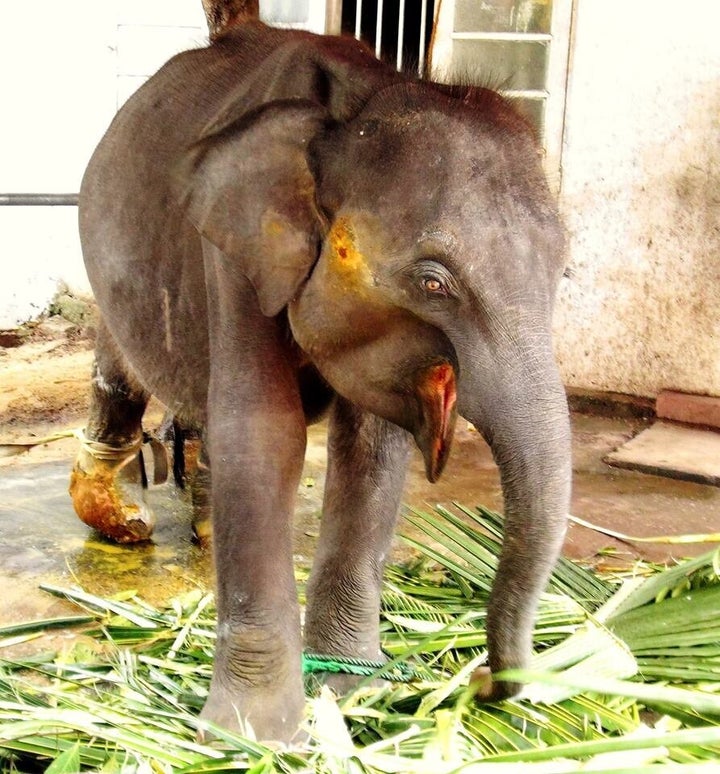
(641, 198)
(640, 174)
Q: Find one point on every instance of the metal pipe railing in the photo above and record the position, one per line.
(39, 199)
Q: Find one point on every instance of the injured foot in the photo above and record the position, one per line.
(107, 491)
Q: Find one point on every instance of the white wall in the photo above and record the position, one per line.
(641, 197)
(66, 66)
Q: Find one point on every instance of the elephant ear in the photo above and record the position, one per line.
(248, 189)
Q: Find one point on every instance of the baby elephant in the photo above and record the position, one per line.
(279, 226)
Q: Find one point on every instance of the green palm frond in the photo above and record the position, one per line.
(626, 676)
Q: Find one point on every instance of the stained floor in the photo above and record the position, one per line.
(44, 543)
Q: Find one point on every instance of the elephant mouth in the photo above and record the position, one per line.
(437, 395)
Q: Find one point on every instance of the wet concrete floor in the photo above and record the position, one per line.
(44, 542)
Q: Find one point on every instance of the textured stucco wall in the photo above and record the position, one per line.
(641, 198)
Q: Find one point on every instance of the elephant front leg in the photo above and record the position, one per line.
(256, 465)
(256, 446)
(367, 461)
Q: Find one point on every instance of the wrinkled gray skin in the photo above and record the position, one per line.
(277, 225)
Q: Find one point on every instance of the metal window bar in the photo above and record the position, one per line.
(423, 30)
(538, 94)
(401, 30)
(379, 28)
(422, 49)
(358, 17)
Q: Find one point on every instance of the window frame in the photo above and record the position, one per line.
(554, 92)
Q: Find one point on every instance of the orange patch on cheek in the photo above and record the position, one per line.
(273, 228)
(345, 259)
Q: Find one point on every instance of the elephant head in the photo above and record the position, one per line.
(416, 249)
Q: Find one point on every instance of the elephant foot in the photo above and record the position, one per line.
(265, 714)
(107, 491)
(256, 688)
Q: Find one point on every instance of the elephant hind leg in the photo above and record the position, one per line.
(106, 485)
(200, 492)
(191, 469)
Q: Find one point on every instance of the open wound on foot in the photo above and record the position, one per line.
(107, 488)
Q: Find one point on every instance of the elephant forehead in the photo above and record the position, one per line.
(344, 256)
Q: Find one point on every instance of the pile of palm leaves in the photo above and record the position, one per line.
(626, 677)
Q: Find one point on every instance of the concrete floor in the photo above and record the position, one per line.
(44, 542)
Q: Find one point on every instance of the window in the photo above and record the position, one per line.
(399, 31)
(313, 15)
(519, 47)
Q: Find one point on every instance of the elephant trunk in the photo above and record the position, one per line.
(524, 417)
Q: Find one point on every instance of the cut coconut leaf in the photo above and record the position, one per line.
(44, 625)
(676, 639)
(699, 701)
(132, 705)
(471, 545)
(93, 602)
(592, 651)
(672, 581)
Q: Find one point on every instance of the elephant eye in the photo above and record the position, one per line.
(433, 279)
(433, 285)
